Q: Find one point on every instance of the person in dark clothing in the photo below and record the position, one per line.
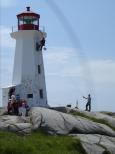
(15, 108)
(42, 43)
(9, 107)
(11, 92)
(88, 104)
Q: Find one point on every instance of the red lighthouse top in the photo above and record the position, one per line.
(28, 20)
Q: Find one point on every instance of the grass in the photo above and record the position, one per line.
(39, 143)
(106, 152)
(112, 114)
(102, 121)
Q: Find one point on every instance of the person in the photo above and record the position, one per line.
(22, 109)
(14, 105)
(11, 92)
(27, 108)
(18, 97)
(9, 107)
(42, 43)
(88, 104)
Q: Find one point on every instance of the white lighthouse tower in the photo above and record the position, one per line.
(28, 77)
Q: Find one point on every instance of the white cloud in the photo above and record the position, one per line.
(65, 64)
(8, 3)
(59, 54)
(103, 71)
(5, 39)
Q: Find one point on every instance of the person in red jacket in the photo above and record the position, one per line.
(14, 105)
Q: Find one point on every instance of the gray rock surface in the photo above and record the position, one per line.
(60, 123)
(112, 114)
(62, 109)
(96, 144)
(98, 115)
(2, 110)
(16, 124)
(92, 148)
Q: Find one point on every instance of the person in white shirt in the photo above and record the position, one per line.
(22, 110)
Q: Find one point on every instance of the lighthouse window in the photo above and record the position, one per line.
(29, 95)
(41, 93)
(37, 46)
(39, 69)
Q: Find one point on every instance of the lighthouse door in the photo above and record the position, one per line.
(5, 96)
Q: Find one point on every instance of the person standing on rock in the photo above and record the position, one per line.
(88, 105)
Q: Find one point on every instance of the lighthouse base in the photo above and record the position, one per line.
(28, 91)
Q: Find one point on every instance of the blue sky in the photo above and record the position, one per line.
(80, 56)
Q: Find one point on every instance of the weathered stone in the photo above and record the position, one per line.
(15, 124)
(2, 111)
(112, 114)
(22, 128)
(109, 119)
(11, 119)
(60, 123)
(62, 109)
(96, 144)
(92, 148)
(98, 115)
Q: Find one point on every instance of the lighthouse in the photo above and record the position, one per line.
(28, 78)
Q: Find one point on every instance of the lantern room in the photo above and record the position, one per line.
(28, 20)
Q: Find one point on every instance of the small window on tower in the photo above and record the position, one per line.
(41, 93)
(39, 69)
(29, 95)
(37, 46)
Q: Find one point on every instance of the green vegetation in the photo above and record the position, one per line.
(38, 143)
(112, 114)
(106, 152)
(102, 121)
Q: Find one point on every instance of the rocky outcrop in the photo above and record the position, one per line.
(2, 111)
(112, 114)
(96, 144)
(60, 123)
(95, 137)
(105, 116)
(98, 115)
(15, 124)
(62, 109)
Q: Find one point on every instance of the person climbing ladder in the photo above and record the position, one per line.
(42, 43)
